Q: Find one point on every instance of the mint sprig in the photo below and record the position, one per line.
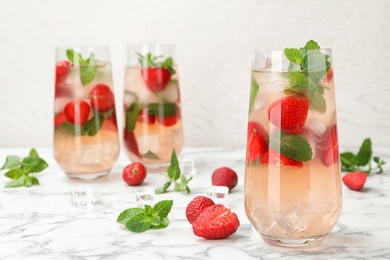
(90, 128)
(149, 60)
(88, 68)
(362, 161)
(254, 89)
(174, 175)
(307, 67)
(140, 220)
(20, 170)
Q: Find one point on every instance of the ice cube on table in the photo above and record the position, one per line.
(144, 196)
(219, 194)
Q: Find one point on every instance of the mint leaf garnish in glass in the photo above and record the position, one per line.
(307, 67)
(20, 169)
(88, 68)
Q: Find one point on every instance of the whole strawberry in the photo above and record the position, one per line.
(289, 113)
(216, 222)
(224, 176)
(197, 206)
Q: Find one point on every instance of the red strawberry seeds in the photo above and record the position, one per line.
(256, 141)
(216, 222)
(197, 206)
(224, 176)
(289, 113)
(355, 180)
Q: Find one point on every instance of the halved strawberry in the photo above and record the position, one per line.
(77, 112)
(168, 121)
(216, 222)
(256, 141)
(328, 146)
(130, 142)
(155, 78)
(101, 98)
(355, 180)
(273, 157)
(145, 117)
(289, 113)
(197, 206)
(62, 70)
(60, 118)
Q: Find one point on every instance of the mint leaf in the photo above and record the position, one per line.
(163, 224)
(73, 129)
(93, 125)
(162, 109)
(14, 173)
(155, 220)
(150, 155)
(132, 115)
(33, 164)
(295, 147)
(174, 169)
(294, 55)
(312, 45)
(139, 223)
(163, 189)
(162, 208)
(127, 214)
(88, 68)
(11, 162)
(148, 210)
(316, 64)
(254, 89)
(346, 161)
(20, 168)
(364, 155)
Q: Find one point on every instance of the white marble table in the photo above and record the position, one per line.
(40, 222)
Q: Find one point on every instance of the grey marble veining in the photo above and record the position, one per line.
(41, 223)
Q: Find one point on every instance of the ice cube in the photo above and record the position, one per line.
(60, 103)
(218, 194)
(128, 98)
(148, 143)
(274, 86)
(171, 93)
(315, 125)
(144, 196)
(292, 222)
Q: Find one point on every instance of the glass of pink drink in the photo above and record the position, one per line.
(86, 142)
(292, 175)
(152, 111)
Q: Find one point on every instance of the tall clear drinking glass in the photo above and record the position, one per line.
(86, 142)
(292, 173)
(152, 107)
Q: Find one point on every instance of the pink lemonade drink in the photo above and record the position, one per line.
(86, 142)
(292, 174)
(152, 111)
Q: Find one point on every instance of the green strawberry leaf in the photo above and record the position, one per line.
(254, 89)
(162, 208)
(132, 115)
(295, 147)
(139, 223)
(11, 162)
(127, 214)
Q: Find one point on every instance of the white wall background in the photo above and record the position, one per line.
(215, 39)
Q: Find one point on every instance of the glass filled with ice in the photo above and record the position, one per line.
(152, 108)
(86, 142)
(292, 173)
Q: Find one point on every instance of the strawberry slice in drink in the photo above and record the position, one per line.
(131, 142)
(145, 118)
(101, 98)
(77, 112)
(256, 141)
(169, 121)
(273, 157)
(328, 146)
(156, 79)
